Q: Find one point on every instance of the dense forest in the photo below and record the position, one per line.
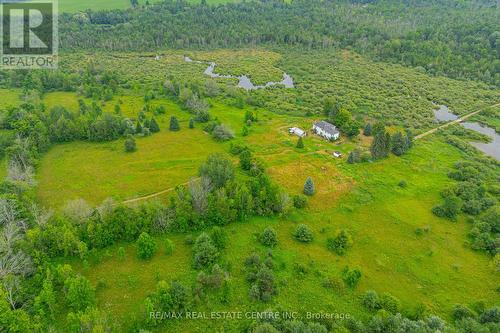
(460, 39)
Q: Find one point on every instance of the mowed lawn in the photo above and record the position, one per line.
(434, 269)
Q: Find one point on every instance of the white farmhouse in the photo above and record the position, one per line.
(297, 131)
(326, 130)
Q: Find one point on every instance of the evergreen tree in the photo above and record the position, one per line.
(350, 159)
(368, 130)
(409, 139)
(246, 160)
(130, 145)
(300, 143)
(138, 127)
(118, 109)
(398, 144)
(379, 127)
(244, 131)
(309, 187)
(381, 145)
(153, 126)
(174, 124)
(191, 123)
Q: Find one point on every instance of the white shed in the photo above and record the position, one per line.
(297, 131)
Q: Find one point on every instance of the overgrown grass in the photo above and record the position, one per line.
(71, 6)
(434, 269)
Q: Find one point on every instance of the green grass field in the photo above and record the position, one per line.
(434, 269)
(9, 97)
(71, 6)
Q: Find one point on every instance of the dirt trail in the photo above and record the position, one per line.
(456, 121)
(153, 195)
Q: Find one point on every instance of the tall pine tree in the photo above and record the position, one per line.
(174, 124)
(309, 187)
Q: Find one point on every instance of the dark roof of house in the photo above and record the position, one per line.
(327, 127)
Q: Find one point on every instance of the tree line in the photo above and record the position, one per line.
(460, 39)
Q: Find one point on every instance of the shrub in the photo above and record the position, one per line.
(222, 133)
(153, 126)
(218, 169)
(264, 286)
(146, 246)
(204, 251)
(79, 293)
(351, 277)
(121, 253)
(450, 208)
(191, 123)
(169, 247)
(218, 237)
(371, 300)
(491, 315)
(130, 145)
(340, 243)
(299, 201)
(461, 312)
(246, 160)
(269, 237)
(245, 131)
(303, 234)
(174, 124)
(390, 303)
(309, 187)
(403, 184)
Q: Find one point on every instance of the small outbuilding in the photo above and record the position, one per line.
(326, 130)
(297, 131)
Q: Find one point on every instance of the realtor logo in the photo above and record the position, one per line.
(29, 34)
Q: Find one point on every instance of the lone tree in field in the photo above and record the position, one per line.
(174, 124)
(204, 251)
(303, 234)
(130, 145)
(153, 126)
(368, 130)
(340, 243)
(269, 237)
(300, 143)
(309, 187)
(191, 123)
(146, 246)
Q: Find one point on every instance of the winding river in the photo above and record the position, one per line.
(491, 148)
(244, 81)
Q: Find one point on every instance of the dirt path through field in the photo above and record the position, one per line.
(456, 121)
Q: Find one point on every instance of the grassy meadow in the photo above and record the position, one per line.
(400, 247)
(71, 6)
(434, 269)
